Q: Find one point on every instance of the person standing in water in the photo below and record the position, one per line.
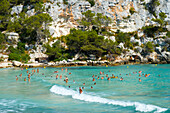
(60, 76)
(37, 70)
(16, 78)
(80, 90)
(66, 79)
(20, 75)
(56, 76)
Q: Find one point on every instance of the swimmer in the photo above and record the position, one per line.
(56, 76)
(93, 76)
(106, 75)
(80, 90)
(139, 75)
(17, 79)
(139, 80)
(37, 70)
(60, 76)
(55, 71)
(62, 69)
(91, 87)
(27, 71)
(25, 79)
(73, 81)
(108, 78)
(66, 79)
(69, 73)
(159, 75)
(121, 79)
(103, 73)
(102, 78)
(98, 77)
(68, 86)
(83, 83)
(95, 83)
(29, 75)
(146, 75)
(20, 75)
(93, 79)
(66, 70)
(82, 87)
(100, 72)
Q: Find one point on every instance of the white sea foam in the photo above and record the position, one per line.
(89, 98)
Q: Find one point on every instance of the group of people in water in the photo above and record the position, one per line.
(28, 75)
(94, 77)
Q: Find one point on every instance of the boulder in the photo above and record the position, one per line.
(17, 63)
(12, 37)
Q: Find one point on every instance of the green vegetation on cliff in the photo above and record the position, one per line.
(18, 53)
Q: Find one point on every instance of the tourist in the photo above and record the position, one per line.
(121, 79)
(80, 90)
(60, 76)
(56, 76)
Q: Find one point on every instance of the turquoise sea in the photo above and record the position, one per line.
(45, 94)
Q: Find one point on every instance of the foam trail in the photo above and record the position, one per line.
(89, 98)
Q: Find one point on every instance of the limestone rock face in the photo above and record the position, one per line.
(16, 9)
(67, 16)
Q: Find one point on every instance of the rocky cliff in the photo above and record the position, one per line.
(126, 15)
(65, 16)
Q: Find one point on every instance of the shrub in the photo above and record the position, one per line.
(132, 10)
(168, 34)
(92, 2)
(65, 2)
(149, 47)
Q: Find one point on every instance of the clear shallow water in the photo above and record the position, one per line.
(48, 95)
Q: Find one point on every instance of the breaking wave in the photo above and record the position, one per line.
(90, 98)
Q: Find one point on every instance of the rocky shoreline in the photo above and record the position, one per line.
(71, 64)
